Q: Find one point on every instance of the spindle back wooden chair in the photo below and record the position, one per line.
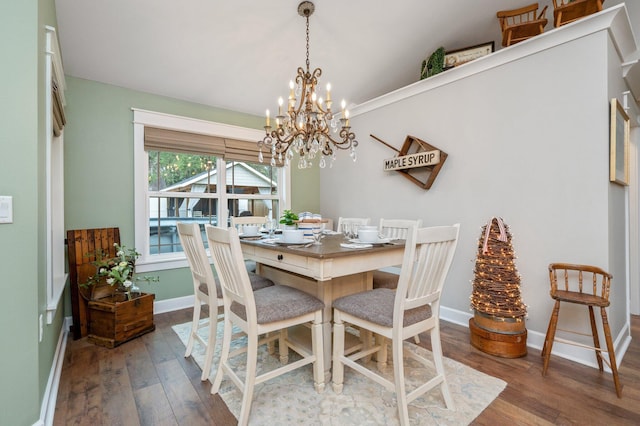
(521, 24)
(583, 285)
(567, 11)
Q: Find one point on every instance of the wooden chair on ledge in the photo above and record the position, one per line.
(521, 24)
(567, 11)
(588, 286)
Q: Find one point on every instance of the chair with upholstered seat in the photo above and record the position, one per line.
(269, 311)
(206, 290)
(398, 315)
(395, 229)
(239, 222)
(588, 286)
(248, 220)
(521, 24)
(567, 11)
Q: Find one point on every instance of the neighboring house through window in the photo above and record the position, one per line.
(189, 170)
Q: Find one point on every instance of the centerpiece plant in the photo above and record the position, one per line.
(288, 218)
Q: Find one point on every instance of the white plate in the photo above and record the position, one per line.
(250, 236)
(380, 241)
(305, 241)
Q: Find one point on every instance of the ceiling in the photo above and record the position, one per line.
(241, 54)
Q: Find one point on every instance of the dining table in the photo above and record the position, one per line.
(333, 268)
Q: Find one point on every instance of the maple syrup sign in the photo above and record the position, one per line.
(417, 161)
(420, 159)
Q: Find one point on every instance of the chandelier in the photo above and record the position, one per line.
(308, 126)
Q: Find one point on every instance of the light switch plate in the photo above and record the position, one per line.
(6, 209)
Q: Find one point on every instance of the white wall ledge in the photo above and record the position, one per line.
(615, 20)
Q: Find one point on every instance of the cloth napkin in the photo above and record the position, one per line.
(355, 245)
(269, 240)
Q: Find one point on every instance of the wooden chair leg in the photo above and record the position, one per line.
(194, 327)
(551, 334)
(612, 356)
(398, 374)
(211, 346)
(337, 370)
(596, 340)
(250, 378)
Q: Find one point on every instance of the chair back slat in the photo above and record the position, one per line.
(224, 245)
(236, 221)
(193, 246)
(584, 279)
(428, 256)
(397, 229)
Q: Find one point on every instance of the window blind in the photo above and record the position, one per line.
(156, 139)
(59, 119)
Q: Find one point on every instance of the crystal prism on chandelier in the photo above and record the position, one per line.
(308, 126)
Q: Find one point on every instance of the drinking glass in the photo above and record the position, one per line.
(271, 226)
(346, 229)
(317, 233)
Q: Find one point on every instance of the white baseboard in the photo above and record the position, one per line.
(50, 396)
(535, 340)
(169, 305)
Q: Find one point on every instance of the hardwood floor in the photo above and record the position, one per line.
(149, 382)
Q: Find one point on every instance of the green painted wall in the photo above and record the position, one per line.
(99, 163)
(26, 362)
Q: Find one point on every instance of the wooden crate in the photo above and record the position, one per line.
(113, 321)
(505, 345)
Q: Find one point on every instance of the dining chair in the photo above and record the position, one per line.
(398, 315)
(237, 221)
(269, 311)
(393, 229)
(206, 290)
(588, 286)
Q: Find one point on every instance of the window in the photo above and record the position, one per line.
(196, 171)
(54, 171)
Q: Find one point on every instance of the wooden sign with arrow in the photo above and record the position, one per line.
(417, 160)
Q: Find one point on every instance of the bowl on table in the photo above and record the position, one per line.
(250, 230)
(368, 235)
(293, 236)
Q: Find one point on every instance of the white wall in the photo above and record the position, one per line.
(528, 140)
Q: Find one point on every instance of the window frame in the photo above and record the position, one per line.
(143, 118)
(56, 276)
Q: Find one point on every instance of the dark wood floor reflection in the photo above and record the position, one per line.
(149, 382)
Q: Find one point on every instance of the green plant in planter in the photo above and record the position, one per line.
(434, 65)
(288, 218)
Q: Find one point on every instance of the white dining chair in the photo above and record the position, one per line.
(240, 221)
(395, 229)
(269, 312)
(237, 221)
(206, 290)
(398, 315)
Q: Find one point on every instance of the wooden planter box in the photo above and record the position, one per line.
(113, 321)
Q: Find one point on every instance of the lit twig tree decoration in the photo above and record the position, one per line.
(496, 285)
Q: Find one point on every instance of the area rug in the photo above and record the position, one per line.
(290, 399)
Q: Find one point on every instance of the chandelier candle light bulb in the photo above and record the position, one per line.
(308, 124)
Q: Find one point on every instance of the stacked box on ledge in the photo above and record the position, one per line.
(113, 321)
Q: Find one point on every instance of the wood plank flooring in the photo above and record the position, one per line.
(149, 382)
